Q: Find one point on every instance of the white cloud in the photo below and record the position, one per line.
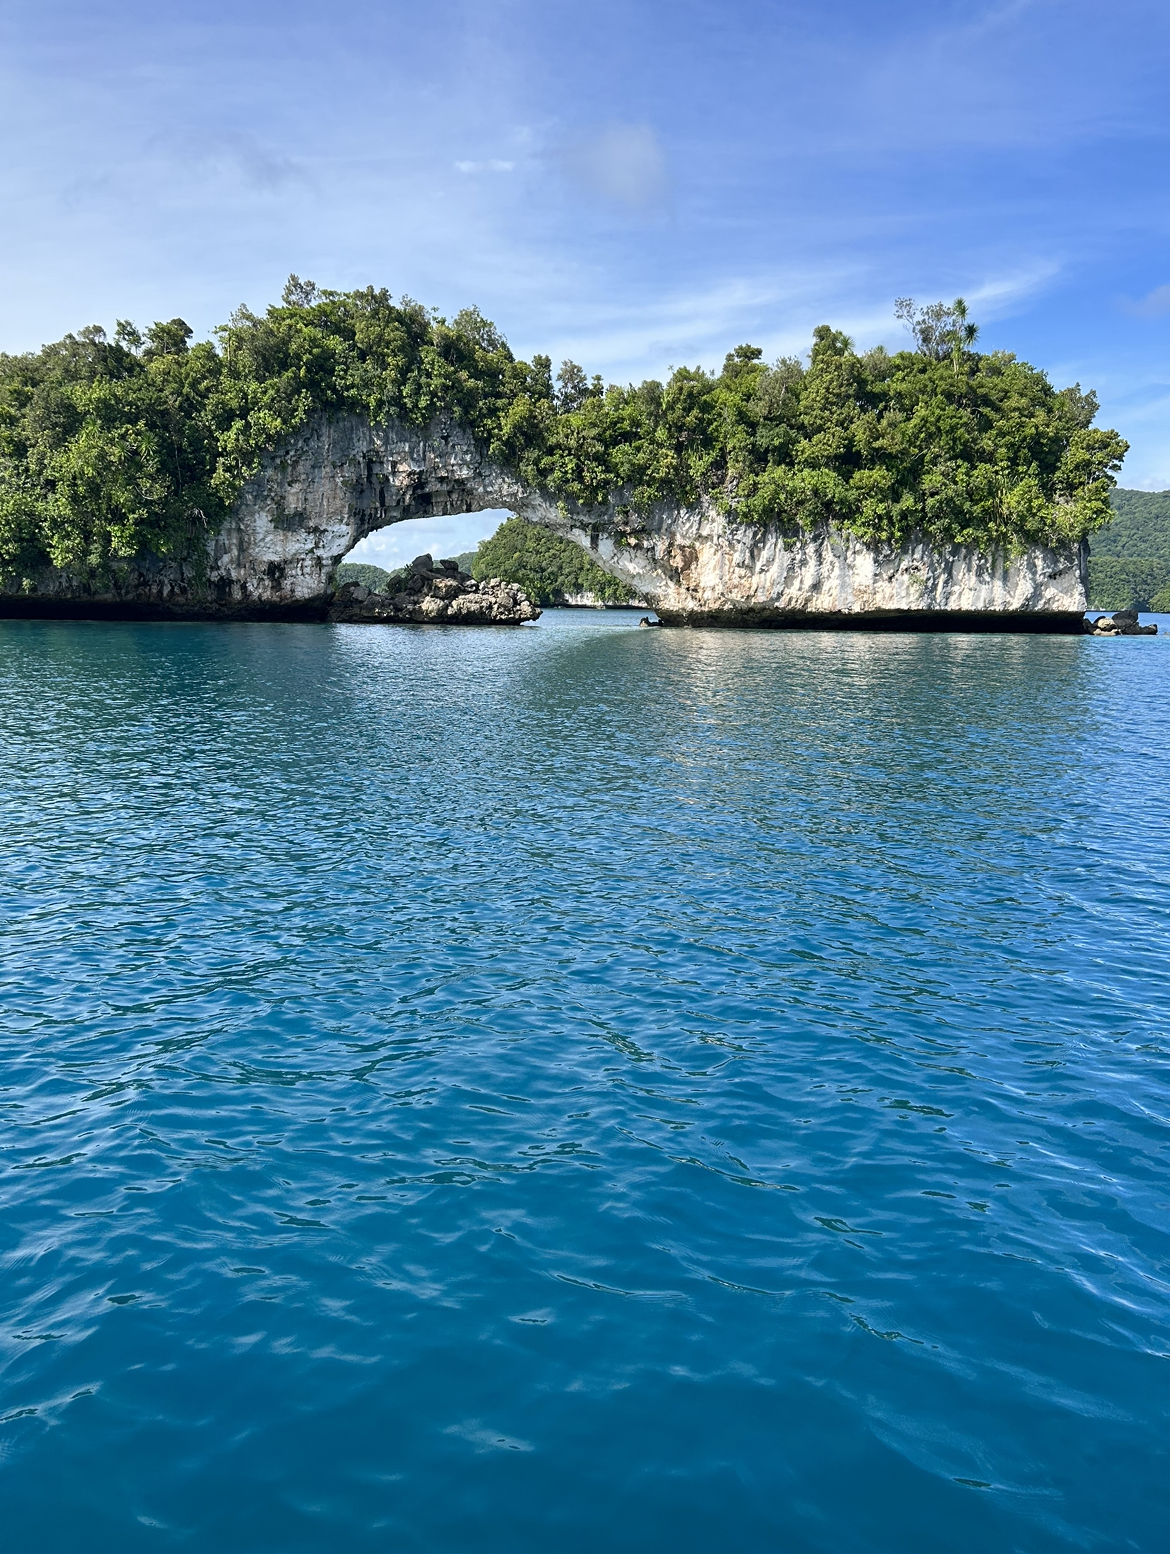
(493, 166)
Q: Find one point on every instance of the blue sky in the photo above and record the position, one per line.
(633, 183)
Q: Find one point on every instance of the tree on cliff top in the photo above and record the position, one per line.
(111, 447)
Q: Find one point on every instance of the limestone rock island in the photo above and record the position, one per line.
(432, 592)
(932, 488)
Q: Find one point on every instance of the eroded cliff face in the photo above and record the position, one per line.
(337, 481)
(698, 566)
(340, 478)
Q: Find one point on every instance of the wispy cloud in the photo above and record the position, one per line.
(999, 293)
(775, 310)
(495, 165)
(1155, 304)
(247, 160)
(623, 163)
(689, 326)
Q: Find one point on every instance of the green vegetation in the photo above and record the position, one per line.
(108, 447)
(1129, 567)
(546, 566)
(362, 572)
(1127, 583)
(1140, 527)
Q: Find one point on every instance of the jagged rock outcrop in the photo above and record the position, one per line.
(341, 478)
(433, 593)
(1122, 623)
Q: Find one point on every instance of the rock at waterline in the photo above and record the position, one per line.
(433, 592)
(1122, 623)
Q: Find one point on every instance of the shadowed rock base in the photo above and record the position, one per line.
(329, 608)
(42, 608)
(1066, 623)
(425, 593)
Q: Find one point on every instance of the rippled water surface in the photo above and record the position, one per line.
(580, 1088)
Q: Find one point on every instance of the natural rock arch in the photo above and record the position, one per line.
(340, 478)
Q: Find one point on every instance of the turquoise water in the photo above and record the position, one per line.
(583, 1088)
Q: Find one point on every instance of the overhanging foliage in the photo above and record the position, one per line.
(111, 447)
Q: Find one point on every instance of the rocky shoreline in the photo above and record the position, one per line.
(430, 592)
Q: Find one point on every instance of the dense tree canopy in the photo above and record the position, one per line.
(107, 447)
(111, 446)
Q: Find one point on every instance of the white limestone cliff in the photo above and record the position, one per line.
(697, 562)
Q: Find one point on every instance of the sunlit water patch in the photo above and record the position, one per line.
(584, 1088)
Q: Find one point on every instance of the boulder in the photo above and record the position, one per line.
(1122, 623)
(431, 595)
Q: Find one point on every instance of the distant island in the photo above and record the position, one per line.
(1129, 564)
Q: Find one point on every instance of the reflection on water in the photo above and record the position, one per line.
(581, 1084)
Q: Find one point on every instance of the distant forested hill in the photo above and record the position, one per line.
(1141, 528)
(361, 572)
(1129, 562)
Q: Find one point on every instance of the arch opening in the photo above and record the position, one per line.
(553, 570)
(395, 545)
(418, 571)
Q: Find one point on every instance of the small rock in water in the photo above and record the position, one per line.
(435, 594)
(1122, 623)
